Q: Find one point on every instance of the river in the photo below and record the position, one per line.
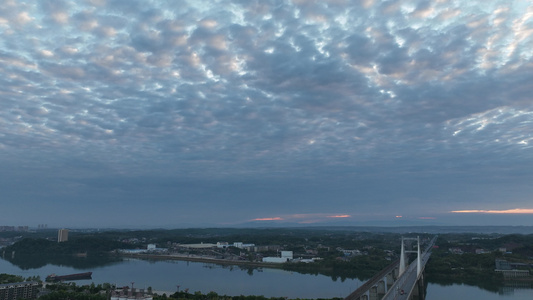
(168, 276)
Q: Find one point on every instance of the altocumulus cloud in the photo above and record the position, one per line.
(166, 110)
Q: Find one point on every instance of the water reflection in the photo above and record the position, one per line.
(248, 269)
(245, 280)
(165, 275)
(510, 287)
(461, 291)
(35, 262)
(486, 289)
(490, 284)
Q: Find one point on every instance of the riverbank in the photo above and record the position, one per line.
(204, 259)
(164, 274)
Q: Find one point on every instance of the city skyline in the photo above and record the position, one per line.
(224, 113)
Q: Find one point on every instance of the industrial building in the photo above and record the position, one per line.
(239, 245)
(285, 257)
(511, 270)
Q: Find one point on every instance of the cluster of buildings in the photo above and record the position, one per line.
(462, 250)
(22, 228)
(225, 245)
(14, 228)
(210, 250)
(127, 293)
(19, 290)
(239, 245)
(458, 250)
(511, 269)
(150, 248)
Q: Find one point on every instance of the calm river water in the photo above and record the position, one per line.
(234, 280)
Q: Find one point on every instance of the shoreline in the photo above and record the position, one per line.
(203, 259)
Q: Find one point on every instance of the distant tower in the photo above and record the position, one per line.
(62, 235)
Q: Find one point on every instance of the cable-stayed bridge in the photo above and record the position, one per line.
(398, 281)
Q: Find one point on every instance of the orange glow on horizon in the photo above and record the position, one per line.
(398, 216)
(304, 218)
(268, 219)
(506, 211)
(339, 216)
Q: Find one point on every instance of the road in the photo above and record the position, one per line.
(401, 289)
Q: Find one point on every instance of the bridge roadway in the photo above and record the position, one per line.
(388, 285)
(403, 288)
(372, 281)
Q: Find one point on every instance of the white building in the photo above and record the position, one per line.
(286, 254)
(240, 245)
(285, 257)
(222, 244)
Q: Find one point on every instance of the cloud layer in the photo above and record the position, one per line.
(264, 108)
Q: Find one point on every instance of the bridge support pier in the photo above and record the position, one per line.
(374, 293)
(419, 291)
(378, 286)
(389, 280)
(382, 288)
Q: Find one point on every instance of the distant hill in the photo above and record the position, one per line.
(398, 229)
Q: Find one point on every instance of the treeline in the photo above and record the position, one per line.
(103, 292)
(215, 296)
(71, 291)
(291, 237)
(468, 268)
(44, 247)
(445, 267)
(361, 267)
(69, 295)
(30, 253)
(516, 243)
(8, 278)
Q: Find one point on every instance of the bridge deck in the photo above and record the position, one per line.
(372, 281)
(403, 286)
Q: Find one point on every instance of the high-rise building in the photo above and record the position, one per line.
(19, 290)
(62, 235)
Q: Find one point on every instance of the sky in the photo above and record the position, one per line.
(124, 113)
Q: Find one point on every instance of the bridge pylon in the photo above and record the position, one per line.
(403, 259)
(393, 283)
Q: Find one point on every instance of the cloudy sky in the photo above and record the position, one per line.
(222, 112)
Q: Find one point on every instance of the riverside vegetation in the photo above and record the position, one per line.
(464, 266)
(377, 249)
(102, 292)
